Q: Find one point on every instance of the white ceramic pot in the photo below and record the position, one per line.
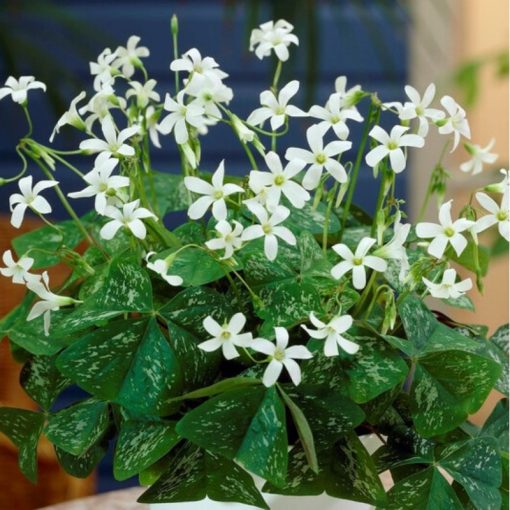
(278, 502)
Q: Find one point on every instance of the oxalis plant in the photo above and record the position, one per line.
(280, 323)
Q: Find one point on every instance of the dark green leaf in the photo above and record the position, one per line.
(311, 220)
(463, 302)
(171, 194)
(82, 465)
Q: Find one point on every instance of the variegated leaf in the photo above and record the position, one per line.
(84, 464)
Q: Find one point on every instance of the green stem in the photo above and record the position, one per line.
(169, 238)
(29, 121)
(365, 293)
(325, 230)
(176, 56)
(380, 200)
(277, 74)
(67, 164)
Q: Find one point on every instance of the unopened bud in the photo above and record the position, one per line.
(174, 25)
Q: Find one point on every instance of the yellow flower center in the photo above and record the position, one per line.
(279, 180)
(225, 335)
(267, 228)
(392, 145)
(449, 232)
(218, 194)
(357, 261)
(502, 216)
(279, 354)
(321, 158)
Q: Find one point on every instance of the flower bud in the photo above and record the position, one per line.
(174, 25)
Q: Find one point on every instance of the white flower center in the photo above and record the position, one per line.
(279, 354)
(218, 194)
(225, 335)
(267, 228)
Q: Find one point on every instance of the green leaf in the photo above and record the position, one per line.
(463, 302)
(220, 387)
(171, 194)
(469, 255)
(311, 220)
(48, 239)
(76, 428)
(23, 428)
(129, 362)
(141, 444)
(498, 349)
(81, 465)
(195, 474)
(496, 425)
(247, 425)
(346, 471)
(374, 369)
(42, 380)
(184, 315)
(476, 465)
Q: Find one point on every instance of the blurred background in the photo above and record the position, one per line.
(461, 45)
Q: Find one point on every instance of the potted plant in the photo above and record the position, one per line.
(256, 350)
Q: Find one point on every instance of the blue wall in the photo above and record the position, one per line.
(356, 38)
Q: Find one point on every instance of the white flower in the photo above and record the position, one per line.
(502, 186)
(391, 145)
(418, 108)
(161, 267)
(130, 217)
(348, 97)
(180, 114)
(144, 92)
(29, 197)
(18, 271)
(229, 239)
(448, 289)
(479, 157)
(50, 301)
(498, 214)
(332, 332)
(129, 57)
(18, 89)
(281, 356)
(276, 108)
(279, 180)
(151, 124)
(100, 105)
(113, 144)
(213, 194)
(192, 62)
(71, 117)
(334, 115)
(320, 157)
(244, 133)
(455, 122)
(104, 69)
(102, 184)
(444, 233)
(269, 228)
(357, 261)
(228, 336)
(208, 92)
(271, 36)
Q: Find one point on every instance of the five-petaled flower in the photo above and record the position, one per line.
(128, 57)
(391, 145)
(455, 122)
(18, 89)
(479, 156)
(130, 217)
(448, 289)
(213, 194)
(18, 271)
(229, 239)
(357, 261)
(143, 92)
(332, 333)
(227, 336)
(192, 62)
(320, 157)
(29, 197)
(280, 356)
(71, 117)
(161, 267)
(445, 233)
(498, 214)
(271, 36)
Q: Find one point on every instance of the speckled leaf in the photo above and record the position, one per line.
(476, 465)
(141, 444)
(76, 428)
(346, 471)
(184, 315)
(463, 302)
(496, 425)
(82, 465)
(499, 350)
(42, 380)
(247, 425)
(425, 490)
(194, 474)
(128, 362)
(171, 194)
(374, 369)
(308, 219)
(221, 386)
(23, 428)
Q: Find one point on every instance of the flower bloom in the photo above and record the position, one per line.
(279, 180)
(269, 228)
(180, 114)
(208, 93)
(130, 217)
(228, 336)
(455, 122)
(479, 156)
(18, 271)
(229, 239)
(192, 62)
(143, 92)
(498, 214)
(448, 289)
(348, 97)
(129, 57)
(271, 36)
(357, 261)
(276, 108)
(71, 117)
(29, 197)
(280, 356)
(161, 267)
(391, 145)
(18, 89)
(319, 157)
(444, 233)
(419, 108)
(332, 333)
(113, 144)
(50, 301)
(100, 104)
(104, 69)
(213, 194)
